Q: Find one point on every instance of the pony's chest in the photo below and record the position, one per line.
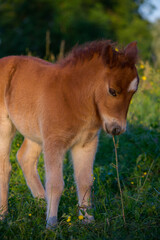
(84, 137)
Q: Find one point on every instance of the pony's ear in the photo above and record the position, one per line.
(131, 52)
(108, 55)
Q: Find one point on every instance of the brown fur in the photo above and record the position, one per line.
(59, 107)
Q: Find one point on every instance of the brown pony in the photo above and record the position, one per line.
(62, 106)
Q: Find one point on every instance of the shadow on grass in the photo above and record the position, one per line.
(135, 141)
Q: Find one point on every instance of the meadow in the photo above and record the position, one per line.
(139, 169)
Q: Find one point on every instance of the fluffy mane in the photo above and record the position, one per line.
(85, 52)
(88, 50)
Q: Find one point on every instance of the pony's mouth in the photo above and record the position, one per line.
(114, 129)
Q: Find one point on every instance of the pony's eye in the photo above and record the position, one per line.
(112, 92)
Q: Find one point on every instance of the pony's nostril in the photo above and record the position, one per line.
(116, 131)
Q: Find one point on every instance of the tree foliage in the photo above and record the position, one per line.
(23, 24)
(156, 42)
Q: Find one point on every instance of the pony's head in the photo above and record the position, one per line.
(114, 92)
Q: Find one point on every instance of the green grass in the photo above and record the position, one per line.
(139, 164)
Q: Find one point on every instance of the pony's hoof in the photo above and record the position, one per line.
(3, 215)
(52, 223)
(88, 219)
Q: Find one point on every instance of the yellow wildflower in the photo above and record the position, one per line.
(142, 66)
(144, 173)
(70, 224)
(29, 214)
(144, 78)
(116, 49)
(17, 144)
(80, 217)
(68, 219)
(132, 183)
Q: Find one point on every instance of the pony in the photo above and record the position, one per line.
(60, 107)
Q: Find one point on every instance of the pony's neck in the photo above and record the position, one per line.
(79, 84)
(84, 76)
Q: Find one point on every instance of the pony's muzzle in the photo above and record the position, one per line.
(114, 129)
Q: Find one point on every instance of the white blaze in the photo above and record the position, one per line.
(133, 85)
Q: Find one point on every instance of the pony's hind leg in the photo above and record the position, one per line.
(7, 131)
(83, 158)
(27, 157)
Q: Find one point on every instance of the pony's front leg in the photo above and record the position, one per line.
(83, 158)
(53, 157)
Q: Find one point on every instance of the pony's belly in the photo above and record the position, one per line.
(27, 126)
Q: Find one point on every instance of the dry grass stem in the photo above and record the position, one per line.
(118, 180)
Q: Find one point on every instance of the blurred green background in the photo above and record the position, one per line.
(49, 29)
(25, 26)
